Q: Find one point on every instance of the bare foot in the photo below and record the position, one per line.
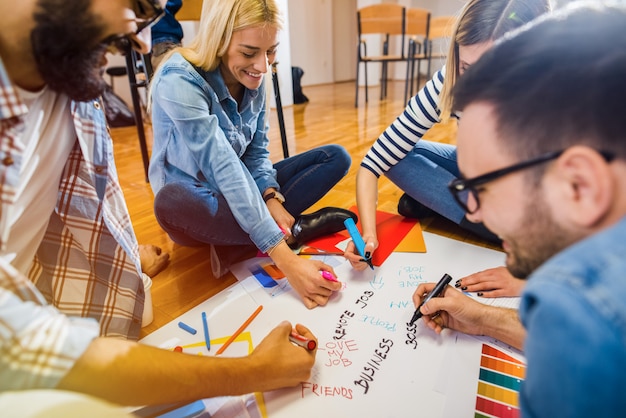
(153, 260)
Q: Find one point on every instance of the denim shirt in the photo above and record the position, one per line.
(201, 136)
(574, 308)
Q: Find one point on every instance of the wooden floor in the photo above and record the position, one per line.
(329, 117)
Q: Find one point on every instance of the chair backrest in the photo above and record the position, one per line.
(441, 27)
(385, 18)
(190, 10)
(417, 22)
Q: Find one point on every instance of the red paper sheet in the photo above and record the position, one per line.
(391, 230)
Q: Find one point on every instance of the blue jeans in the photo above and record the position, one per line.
(193, 215)
(424, 174)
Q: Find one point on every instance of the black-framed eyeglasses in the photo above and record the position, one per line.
(147, 13)
(463, 189)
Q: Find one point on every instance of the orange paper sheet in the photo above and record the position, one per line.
(395, 233)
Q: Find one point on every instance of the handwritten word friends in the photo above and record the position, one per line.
(373, 364)
(340, 330)
(325, 391)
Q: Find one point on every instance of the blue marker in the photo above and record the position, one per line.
(187, 328)
(207, 339)
(358, 241)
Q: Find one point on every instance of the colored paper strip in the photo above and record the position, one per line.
(500, 379)
(503, 366)
(499, 394)
(495, 409)
(494, 352)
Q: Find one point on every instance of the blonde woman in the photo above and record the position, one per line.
(210, 169)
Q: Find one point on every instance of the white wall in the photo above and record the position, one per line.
(324, 35)
(323, 39)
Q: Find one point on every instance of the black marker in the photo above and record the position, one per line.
(433, 294)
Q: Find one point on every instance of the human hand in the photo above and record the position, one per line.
(282, 363)
(283, 218)
(452, 310)
(352, 254)
(305, 277)
(492, 283)
(153, 260)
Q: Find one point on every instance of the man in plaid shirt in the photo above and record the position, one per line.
(70, 271)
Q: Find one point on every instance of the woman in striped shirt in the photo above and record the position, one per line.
(423, 169)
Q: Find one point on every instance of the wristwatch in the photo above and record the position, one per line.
(274, 195)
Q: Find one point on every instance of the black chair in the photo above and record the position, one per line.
(279, 111)
(139, 70)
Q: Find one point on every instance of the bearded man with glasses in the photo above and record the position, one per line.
(70, 267)
(542, 149)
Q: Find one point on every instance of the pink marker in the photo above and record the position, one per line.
(329, 276)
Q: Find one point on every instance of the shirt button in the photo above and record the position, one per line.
(7, 160)
(99, 169)
(96, 104)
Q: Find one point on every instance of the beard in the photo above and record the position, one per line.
(541, 239)
(66, 42)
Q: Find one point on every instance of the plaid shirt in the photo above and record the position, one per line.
(86, 266)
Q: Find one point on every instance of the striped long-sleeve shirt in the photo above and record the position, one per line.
(420, 114)
(87, 269)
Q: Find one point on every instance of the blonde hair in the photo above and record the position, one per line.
(483, 21)
(219, 19)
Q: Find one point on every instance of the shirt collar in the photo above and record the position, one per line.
(11, 105)
(216, 81)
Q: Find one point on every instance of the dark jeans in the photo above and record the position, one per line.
(193, 215)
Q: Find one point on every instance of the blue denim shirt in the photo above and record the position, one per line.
(574, 308)
(201, 136)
